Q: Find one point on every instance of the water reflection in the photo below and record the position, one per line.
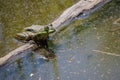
(55, 69)
(23, 68)
(22, 73)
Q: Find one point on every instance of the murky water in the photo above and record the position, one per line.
(15, 15)
(82, 53)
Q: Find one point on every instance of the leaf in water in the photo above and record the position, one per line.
(71, 59)
(31, 75)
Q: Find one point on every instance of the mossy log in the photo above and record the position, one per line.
(79, 10)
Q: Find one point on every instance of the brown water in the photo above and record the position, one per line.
(82, 53)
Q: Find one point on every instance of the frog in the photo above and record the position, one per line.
(37, 33)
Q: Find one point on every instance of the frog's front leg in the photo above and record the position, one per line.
(42, 43)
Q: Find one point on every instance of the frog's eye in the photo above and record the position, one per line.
(46, 28)
(29, 29)
(50, 25)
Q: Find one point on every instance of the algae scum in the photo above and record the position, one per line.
(82, 53)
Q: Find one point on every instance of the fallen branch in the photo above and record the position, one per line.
(15, 52)
(79, 10)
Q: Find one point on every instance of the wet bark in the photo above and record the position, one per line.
(81, 9)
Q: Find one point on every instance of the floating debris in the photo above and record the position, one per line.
(71, 59)
(78, 62)
(31, 75)
(114, 54)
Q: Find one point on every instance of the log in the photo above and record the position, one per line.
(81, 9)
(15, 52)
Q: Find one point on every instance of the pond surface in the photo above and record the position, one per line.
(85, 50)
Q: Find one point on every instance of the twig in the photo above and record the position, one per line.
(108, 53)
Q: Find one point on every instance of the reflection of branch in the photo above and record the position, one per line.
(20, 67)
(55, 68)
(82, 8)
(46, 54)
(114, 54)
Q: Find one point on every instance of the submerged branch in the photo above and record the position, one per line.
(79, 10)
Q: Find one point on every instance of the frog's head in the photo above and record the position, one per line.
(51, 29)
(46, 29)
